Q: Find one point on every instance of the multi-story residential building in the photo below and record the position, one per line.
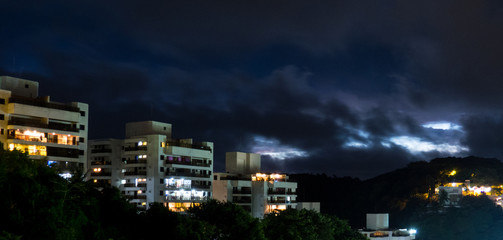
(257, 192)
(150, 166)
(44, 129)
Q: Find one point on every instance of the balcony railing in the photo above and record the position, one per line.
(197, 186)
(135, 162)
(140, 173)
(281, 201)
(101, 163)
(136, 197)
(174, 198)
(191, 163)
(38, 124)
(281, 192)
(132, 185)
(39, 102)
(135, 148)
(188, 174)
(180, 143)
(101, 150)
(101, 174)
(241, 191)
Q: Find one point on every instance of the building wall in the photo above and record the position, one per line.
(242, 163)
(377, 221)
(315, 206)
(20, 87)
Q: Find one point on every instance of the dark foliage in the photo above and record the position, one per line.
(36, 203)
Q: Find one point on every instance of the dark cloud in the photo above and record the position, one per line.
(336, 80)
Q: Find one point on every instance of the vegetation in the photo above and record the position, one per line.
(408, 195)
(307, 225)
(38, 204)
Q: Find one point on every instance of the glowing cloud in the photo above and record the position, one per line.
(442, 126)
(417, 145)
(274, 149)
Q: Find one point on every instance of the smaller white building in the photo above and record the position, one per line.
(244, 184)
(315, 206)
(378, 229)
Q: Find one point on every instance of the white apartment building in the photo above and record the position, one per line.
(378, 229)
(42, 128)
(149, 166)
(257, 192)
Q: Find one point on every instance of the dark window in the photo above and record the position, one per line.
(81, 152)
(2, 100)
(161, 181)
(215, 177)
(81, 139)
(161, 193)
(82, 127)
(162, 157)
(26, 86)
(82, 113)
(162, 170)
(2, 117)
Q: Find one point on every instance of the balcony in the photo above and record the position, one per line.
(108, 163)
(133, 185)
(135, 148)
(63, 152)
(139, 173)
(281, 201)
(175, 198)
(38, 124)
(101, 150)
(40, 102)
(137, 197)
(189, 163)
(101, 174)
(198, 186)
(179, 143)
(188, 174)
(128, 162)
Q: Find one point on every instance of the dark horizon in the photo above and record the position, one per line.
(343, 88)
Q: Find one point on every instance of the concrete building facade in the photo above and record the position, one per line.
(150, 166)
(43, 128)
(244, 184)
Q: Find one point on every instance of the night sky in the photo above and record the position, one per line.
(351, 88)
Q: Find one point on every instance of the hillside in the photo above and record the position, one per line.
(399, 192)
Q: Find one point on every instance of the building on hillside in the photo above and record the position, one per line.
(378, 229)
(42, 128)
(453, 195)
(150, 166)
(257, 192)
